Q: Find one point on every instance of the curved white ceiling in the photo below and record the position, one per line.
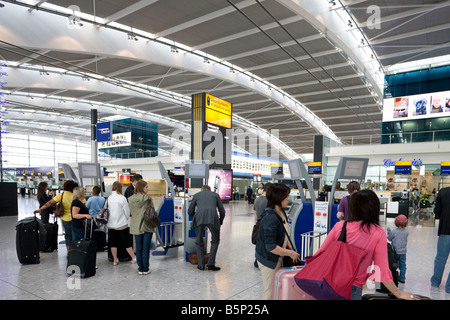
(288, 67)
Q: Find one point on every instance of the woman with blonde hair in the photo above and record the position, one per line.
(143, 233)
(118, 229)
(79, 213)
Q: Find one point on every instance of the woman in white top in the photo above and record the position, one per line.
(118, 229)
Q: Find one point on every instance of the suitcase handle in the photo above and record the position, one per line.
(85, 227)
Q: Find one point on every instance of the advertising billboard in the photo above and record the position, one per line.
(220, 181)
(419, 106)
(118, 140)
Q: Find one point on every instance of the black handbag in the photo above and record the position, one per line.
(151, 216)
(255, 231)
(287, 260)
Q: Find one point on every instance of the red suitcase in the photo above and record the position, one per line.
(284, 286)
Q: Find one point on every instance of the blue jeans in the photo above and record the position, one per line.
(77, 233)
(67, 226)
(443, 250)
(143, 242)
(402, 266)
(356, 293)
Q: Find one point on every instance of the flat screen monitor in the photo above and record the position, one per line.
(88, 170)
(197, 170)
(294, 170)
(445, 170)
(295, 208)
(354, 168)
(314, 167)
(403, 170)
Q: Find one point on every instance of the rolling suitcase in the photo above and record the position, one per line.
(393, 266)
(27, 240)
(49, 243)
(284, 285)
(82, 257)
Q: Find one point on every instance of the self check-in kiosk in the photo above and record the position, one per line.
(90, 175)
(169, 234)
(197, 171)
(347, 169)
(301, 213)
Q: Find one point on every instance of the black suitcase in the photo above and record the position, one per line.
(82, 258)
(27, 241)
(403, 207)
(393, 266)
(49, 243)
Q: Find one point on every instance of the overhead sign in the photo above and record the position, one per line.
(445, 168)
(403, 167)
(104, 131)
(217, 111)
(314, 167)
(211, 134)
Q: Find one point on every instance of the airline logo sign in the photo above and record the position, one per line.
(103, 131)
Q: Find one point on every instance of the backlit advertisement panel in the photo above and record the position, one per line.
(220, 181)
(419, 106)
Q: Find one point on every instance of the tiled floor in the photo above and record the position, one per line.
(171, 276)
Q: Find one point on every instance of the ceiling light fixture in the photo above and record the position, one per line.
(132, 36)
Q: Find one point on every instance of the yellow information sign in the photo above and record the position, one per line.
(403, 163)
(276, 165)
(314, 164)
(445, 163)
(217, 111)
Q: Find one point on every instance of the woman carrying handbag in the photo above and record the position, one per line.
(142, 232)
(272, 243)
(355, 244)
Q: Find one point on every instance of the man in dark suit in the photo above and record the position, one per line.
(442, 212)
(130, 189)
(207, 203)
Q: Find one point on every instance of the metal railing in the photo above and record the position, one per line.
(399, 137)
(127, 155)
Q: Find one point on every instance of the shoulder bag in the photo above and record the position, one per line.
(103, 214)
(59, 211)
(255, 231)
(330, 274)
(287, 260)
(151, 216)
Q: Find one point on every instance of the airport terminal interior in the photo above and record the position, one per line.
(229, 93)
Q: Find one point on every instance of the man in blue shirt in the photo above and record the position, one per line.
(96, 202)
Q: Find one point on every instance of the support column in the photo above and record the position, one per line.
(94, 150)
